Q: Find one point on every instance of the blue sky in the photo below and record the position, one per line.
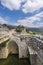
(22, 12)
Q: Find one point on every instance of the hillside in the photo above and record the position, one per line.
(38, 30)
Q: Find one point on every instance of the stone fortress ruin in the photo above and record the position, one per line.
(25, 45)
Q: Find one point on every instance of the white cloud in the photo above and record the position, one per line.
(32, 5)
(3, 21)
(30, 20)
(28, 6)
(12, 4)
(24, 22)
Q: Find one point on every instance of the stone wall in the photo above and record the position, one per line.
(3, 52)
(33, 59)
(36, 44)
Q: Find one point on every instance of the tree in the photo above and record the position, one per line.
(19, 28)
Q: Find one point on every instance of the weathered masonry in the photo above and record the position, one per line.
(14, 45)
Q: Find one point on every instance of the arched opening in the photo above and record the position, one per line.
(13, 48)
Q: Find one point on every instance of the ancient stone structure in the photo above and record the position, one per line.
(25, 47)
(15, 47)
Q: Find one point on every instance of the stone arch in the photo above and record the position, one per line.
(13, 48)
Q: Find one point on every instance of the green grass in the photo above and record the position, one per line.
(14, 60)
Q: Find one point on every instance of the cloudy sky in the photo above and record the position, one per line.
(22, 12)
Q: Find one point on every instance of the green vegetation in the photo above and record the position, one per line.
(4, 44)
(30, 32)
(35, 30)
(14, 60)
(19, 28)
